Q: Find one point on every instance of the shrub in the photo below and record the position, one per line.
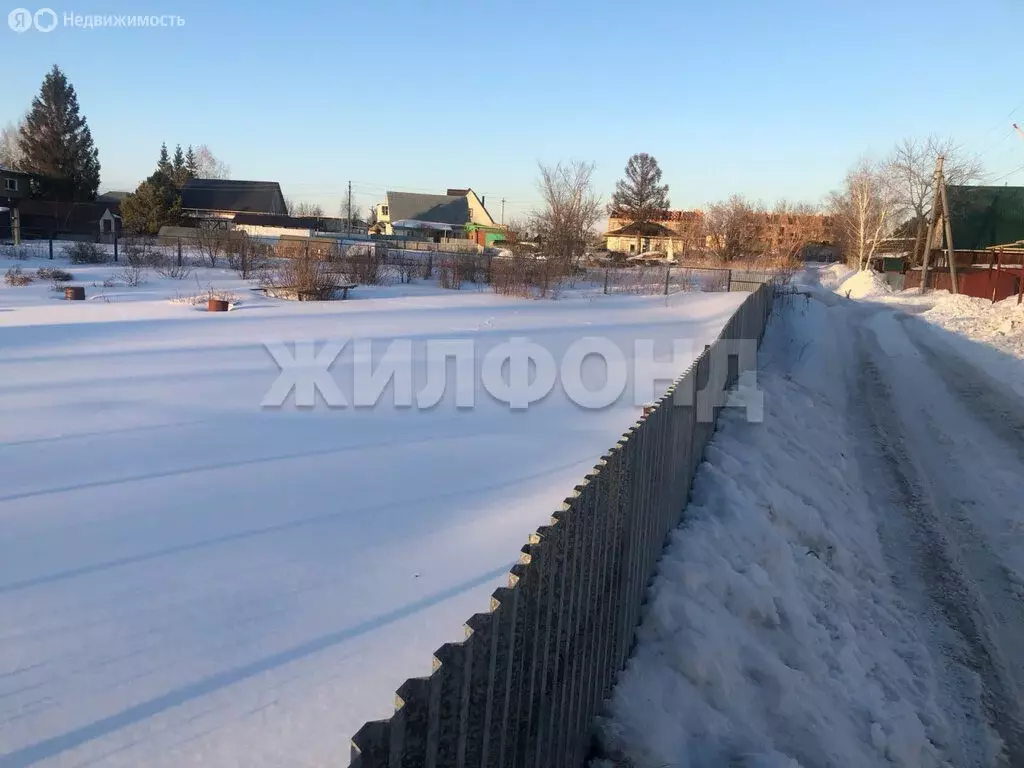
(525, 275)
(16, 276)
(172, 270)
(139, 252)
(365, 264)
(56, 275)
(86, 253)
(304, 274)
(19, 252)
(132, 274)
(248, 257)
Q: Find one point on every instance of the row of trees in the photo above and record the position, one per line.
(878, 199)
(156, 202)
(893, 196)
(53, 142)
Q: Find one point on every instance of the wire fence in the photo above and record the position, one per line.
(525, 684)
(388, 261)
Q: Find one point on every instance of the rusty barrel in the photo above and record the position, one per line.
(217, 305)
(75, 293)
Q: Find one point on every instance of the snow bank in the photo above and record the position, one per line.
(1000, 324)
(991, 336)
(834, 275)
(772, 636)
(864, 284)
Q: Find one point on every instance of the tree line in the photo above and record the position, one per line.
(156, 202)
(54, 144)
(878, 199)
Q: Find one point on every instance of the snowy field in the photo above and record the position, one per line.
(187, 578)
(848, 586)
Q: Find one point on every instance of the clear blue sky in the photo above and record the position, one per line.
(769, 98)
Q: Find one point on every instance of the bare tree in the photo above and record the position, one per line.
(247, 256)
(212, 241)
(640, 196)
(11, 155)
(303, 208)
(735, 228)
(863, 211)
(911, 172)
(570, 211)
(208, 166)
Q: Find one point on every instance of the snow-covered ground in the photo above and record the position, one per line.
(187, 578)
(848, 587)
(999, 327)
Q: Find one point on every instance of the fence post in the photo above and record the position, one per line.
(606, 281)
(115, 241)
(179, 251)
(51, 244)
(728, 280)
(668, 273)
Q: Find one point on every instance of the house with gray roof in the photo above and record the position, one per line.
(226, 198)
(431, 217)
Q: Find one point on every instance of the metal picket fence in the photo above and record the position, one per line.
(524, 686)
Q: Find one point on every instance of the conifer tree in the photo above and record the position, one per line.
(56, 143)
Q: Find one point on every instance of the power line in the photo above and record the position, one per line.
(1007, 175)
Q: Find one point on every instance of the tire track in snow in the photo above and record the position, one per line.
(1000, 412)
(959, 602)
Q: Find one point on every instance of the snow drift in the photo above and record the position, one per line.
(773, 636)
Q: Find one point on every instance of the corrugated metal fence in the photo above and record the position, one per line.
(524, 686)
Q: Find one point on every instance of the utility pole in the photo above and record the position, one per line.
(350, 207)
(503, 211)
(936, 183)
(950, 252)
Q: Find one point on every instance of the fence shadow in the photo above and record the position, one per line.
(525, 684)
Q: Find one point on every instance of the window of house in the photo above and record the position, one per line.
(383, 210)
(11, 185)
(632, 247)
(106, 226)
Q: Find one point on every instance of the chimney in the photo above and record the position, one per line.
(483, 201)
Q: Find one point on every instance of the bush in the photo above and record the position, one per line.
(132, 274)
(365, 264)
(525, 275)
(248, 257)
(16, 276)
(56, 275)
(9, 251)
(87, 253)
(304, 274)
(172, 270)
(139, 252)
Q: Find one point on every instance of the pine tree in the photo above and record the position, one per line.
(178, 164)
(640, 195)
(164, 163)
(157, 201)
(191, 163)
(56, 143)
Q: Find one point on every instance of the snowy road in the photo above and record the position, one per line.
(897, 464)
(947, 442)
